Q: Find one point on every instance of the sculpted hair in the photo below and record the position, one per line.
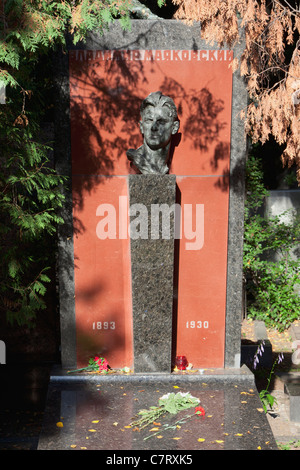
(158, 99)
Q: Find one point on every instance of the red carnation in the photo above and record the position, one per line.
(102, 363)
(199, 411)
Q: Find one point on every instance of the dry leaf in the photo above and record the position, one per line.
(219, 442)
(154, 429)
(59, 424)
(95, 421)
(92, 430)
(176, 438)
(73, 446)
(200, 439)
(159, 437)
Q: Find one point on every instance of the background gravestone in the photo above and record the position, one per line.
(99, 108)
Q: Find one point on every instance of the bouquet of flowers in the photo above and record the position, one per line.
(170, 403)
(96, 364)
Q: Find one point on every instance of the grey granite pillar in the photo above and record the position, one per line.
(152, 199)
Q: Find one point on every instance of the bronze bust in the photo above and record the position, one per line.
(159, 122)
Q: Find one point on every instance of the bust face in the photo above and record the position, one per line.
(158, 126)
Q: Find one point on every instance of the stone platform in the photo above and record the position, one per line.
(94, 412)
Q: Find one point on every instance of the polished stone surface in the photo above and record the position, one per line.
(96, 413)
(152, 267)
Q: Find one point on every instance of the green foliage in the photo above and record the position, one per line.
(29, 200)
(271, 273)
(30, 195)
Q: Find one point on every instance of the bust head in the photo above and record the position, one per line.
(159, 122)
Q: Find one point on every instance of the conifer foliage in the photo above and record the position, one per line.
(270, 62)
(30, 195)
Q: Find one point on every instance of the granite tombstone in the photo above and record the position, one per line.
(198, 173)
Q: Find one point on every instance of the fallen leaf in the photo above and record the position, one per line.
(92, 430)
(175, 386)
(95, 421)
(154, 429)
(159, 437)
(200, 439)
(176, 438)
(219, 442)
(238, 434)
(244, 402)
(83, 448)
(260, 410)
(73, 446)
(59, 424)
(127, 427)
(258, 448)
(209, 416)
(156, 424)
(178, 427)
(115, 423)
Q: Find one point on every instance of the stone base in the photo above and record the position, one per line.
(152, 267)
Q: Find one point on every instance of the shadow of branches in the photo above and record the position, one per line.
(105, 113)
